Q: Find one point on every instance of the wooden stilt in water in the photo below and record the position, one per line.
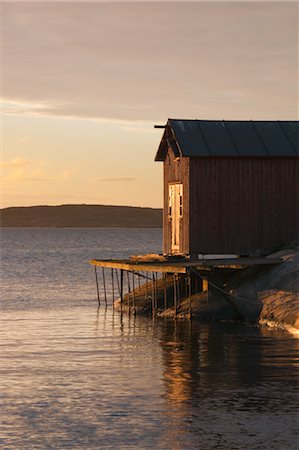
(189, 294)
(97, 283)
(112, 285)
(129, 292)
(121, 287)
(118, 285)
(165, 290)
(146, 285)
(153, 295)
(178, 290)
(128, 278)
(156, 291)
(174, 295)
(104, 284)
(133, 287)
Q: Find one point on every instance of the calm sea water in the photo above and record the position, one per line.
(73, 376)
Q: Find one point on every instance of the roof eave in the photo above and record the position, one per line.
(168, 140)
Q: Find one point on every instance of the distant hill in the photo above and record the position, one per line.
(81, 216)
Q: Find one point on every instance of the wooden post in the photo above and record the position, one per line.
(133, 287)
(146, 285)
(97, 283)
(178, 290)
(156, 291)
(189, 294)
(129, 292)
(104, 284)
(153, 294)
(112, 283)
(121, 287)
(118, 285)
(174, 296)
(128, 278)
(165, 290)
(205, 284)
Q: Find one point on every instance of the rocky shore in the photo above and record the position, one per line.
(266, 295)
(275, 291)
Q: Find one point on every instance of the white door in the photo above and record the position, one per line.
(175, 213)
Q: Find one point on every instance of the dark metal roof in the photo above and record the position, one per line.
(195, 138)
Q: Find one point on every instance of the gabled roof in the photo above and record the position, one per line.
(203, 138)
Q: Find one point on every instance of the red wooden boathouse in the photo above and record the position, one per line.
(230, 187)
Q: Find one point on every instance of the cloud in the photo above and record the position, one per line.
(112, 179)
(26, 108)
(20, 170)
(17, 107)
(125, 62)
(15, 163)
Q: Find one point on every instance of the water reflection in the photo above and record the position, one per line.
(88, 378)
(215, 356)
(223, 379)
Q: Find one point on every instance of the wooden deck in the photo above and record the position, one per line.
(177, 269)
(167, 266)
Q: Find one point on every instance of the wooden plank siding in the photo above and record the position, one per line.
(176, 170)
(239, 205)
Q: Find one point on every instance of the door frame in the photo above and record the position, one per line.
(175, 216)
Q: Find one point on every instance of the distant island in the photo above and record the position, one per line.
(81, 216)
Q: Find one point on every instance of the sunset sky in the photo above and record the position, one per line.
(83, 83)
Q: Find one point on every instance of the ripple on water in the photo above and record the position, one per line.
(78, 378)
(72, 376)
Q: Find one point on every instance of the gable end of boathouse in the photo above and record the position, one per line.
(230, 187)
